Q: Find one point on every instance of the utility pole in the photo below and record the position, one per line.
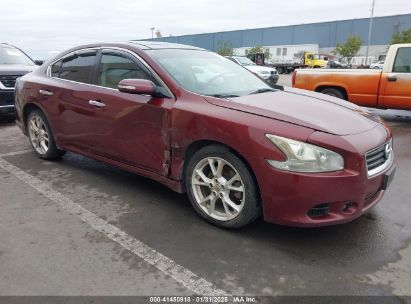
(152, 32)
(370, 31)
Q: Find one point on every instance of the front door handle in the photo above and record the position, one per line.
(96, 103)
(392, 78)
(45, 92)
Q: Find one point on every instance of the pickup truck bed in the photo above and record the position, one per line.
(389, 88)
(359, 86)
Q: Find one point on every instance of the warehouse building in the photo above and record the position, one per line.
(316, 37)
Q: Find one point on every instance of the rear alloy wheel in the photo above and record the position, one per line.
(221, 188)
(41, 137)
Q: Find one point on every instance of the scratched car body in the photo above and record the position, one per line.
(199, 123)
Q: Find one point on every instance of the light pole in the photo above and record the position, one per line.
(369, 31)
(152, 32)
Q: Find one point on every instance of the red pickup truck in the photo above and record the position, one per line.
(389, 88)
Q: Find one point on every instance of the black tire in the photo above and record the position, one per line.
(252, 203)
(53, 152)
(333, 92)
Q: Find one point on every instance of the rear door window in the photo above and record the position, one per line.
(79, 67)
(402, 63)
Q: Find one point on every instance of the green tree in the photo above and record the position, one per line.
(256, 49)
(225, 48)
(259, 49)
(401, 37)
(350, 48)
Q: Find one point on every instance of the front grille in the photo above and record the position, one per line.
(9, 81)
(377, 158)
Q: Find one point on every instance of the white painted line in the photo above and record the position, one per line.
(182, 275)
(16, 152)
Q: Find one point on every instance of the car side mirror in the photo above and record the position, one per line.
(142, 87)
(38, 62)
(136, 86)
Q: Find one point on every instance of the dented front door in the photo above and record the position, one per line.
(132, 129)
(129, 128)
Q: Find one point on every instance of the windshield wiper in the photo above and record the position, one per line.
(262, 91)
(224, 95)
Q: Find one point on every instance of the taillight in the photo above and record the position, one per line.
(293, 78)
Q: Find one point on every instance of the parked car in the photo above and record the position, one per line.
(334, 64)
(267, 73)
(377, 65)
(238, 147)
(13, 64)
(386, 88)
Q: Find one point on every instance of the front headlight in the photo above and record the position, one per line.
(303, 157)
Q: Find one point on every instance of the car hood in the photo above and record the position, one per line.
(14, 69)
(312, 110)
(258, 68)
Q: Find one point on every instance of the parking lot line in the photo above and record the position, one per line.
(16, 152)
(179, 273)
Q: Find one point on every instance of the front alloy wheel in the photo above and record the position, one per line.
(221, 187)
(218, 188)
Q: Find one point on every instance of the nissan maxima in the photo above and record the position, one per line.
(201, 124)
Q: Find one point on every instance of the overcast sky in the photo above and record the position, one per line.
(46, 27)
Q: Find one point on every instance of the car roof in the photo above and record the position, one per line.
(6, 45)
(137, 44)
(152, 45)
(142, 45)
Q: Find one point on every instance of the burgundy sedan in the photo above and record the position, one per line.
(199, 123)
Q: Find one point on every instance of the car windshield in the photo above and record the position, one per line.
(244, 61)
(207, 73)
(10, 55)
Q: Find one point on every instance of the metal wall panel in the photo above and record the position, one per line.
(234, 37)
(317, 33)
(277, 35)
(326, 34)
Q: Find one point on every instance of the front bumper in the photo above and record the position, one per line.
(273, 79)
(7, 103)
(321, 199)
(346, 197)
(270, 78)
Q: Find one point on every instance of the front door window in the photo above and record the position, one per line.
(115, 67)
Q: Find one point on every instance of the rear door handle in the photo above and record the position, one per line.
(45, 92)
(96, 103)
